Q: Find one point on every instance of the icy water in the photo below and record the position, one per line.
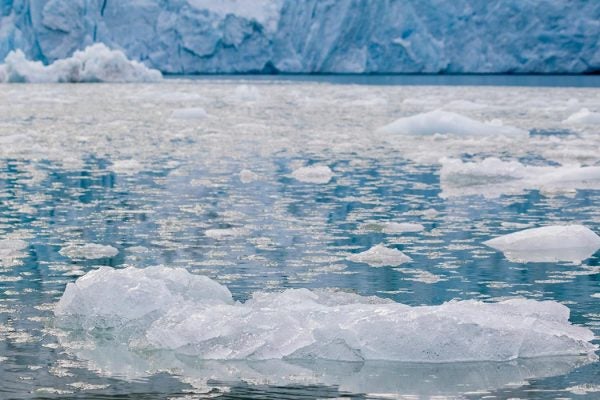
(142, 169)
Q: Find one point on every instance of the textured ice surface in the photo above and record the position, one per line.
(314, 35)
(171, 309)
(446, 122)
(493, 177)
(89, 251)
(97, 63)
(379, 256)
(584, 116)
(319, 174)
(572, 243)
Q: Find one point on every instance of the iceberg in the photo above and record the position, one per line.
(97, 63)
(492, 177)
(169, 309)
(314, 36)
(573, 243)
(319, 174)
(447, 122)
(379, 256)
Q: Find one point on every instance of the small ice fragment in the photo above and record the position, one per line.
(88, 251)
(245, 93)
(189, 113)
(446, 122)
(126, 167)
(401, 227)
(379, 256)
(225, 233)
(584, 117)
(319, 174)
(573, 243)
(247, 176)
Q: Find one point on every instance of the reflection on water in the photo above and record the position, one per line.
(115, 170)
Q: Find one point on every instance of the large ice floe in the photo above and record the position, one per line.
(319, 174)
(447, 122)
(88, 251)
(492, 177)
(379, 256)
(170, 309)
(573, 243)
(97, 63)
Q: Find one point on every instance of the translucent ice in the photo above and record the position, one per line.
(313, 174)
(379, 256)
(572, 243)
(97, 63)
(446, 122)
(89, 251)
(493, 177)
(170, 309)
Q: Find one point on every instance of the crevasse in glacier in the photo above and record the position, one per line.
(348, 36)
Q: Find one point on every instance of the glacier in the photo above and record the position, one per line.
(314, 36)
(169, 309)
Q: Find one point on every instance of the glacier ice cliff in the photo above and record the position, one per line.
(314, 36)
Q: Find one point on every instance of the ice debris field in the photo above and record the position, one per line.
(220, 235)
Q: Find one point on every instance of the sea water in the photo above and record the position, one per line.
(267, 185)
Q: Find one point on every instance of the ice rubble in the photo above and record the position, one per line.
(171, 309)
(573, 243)
(379, 256)
(88, 251)
(447, 122)
(362, 36)
(492, 177)
(97, 63)
(319, 174)
(585, 117)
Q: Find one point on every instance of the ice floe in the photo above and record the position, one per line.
(225, 233)
(447, 122)
(11, 250)
(189, 113)
(585, 117)
(161, 308)
(493, 177)
(313, 174)
(96, 63)
(379, 256)
(247, 176)
(573, 243)
(88, 251)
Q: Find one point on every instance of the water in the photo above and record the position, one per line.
(107, 164)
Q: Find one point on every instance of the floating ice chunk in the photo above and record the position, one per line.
(126, 167)
(247, 176)
(379, 256)
(88, 251)
(111, 297)
(584, 117)
(170, 309)
(11, 250)
(401, 227)
(493, 177)
(572, 243)
(97, 63)
(313, 174)
(446, 122)
(245, 93)
(225, 233)
(189, 113)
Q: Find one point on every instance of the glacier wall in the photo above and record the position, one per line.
(315, 36)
